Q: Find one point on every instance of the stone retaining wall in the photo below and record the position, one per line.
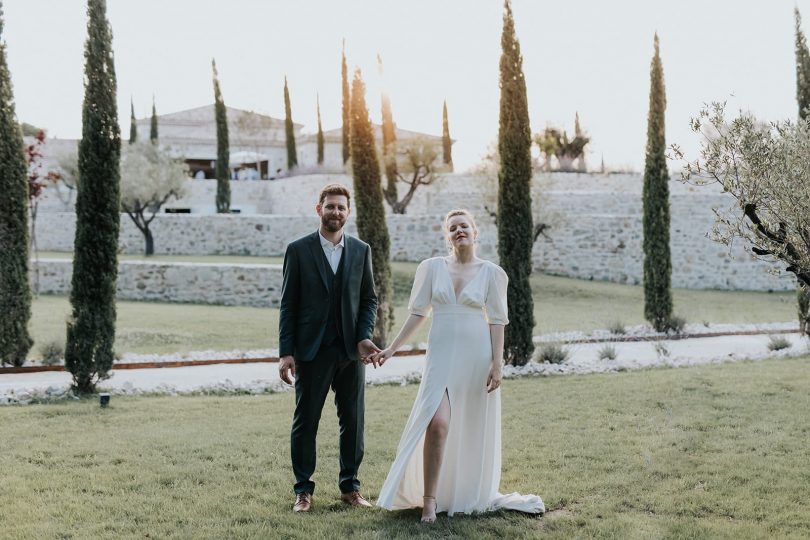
(257, 285)
(594, 227)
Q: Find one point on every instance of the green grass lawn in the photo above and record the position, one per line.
(151, 327)
(222, 259)
(559, 304)
(705, 452)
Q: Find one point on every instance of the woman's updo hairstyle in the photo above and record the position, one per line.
(459, 212)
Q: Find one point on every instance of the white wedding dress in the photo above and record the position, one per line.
(459, 357)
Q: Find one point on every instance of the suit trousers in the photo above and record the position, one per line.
(330, 368)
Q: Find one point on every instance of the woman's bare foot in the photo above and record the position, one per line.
(429, 510)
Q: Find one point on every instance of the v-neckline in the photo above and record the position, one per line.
(456, 296)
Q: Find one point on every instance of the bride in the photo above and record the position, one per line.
(449, 456)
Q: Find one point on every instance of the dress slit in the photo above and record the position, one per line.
(449, 404)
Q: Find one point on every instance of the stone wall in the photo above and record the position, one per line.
(594, 227)
(257, 285)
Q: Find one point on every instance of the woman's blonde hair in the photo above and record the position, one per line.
(460, 212)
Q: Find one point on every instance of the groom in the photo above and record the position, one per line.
(328, 310)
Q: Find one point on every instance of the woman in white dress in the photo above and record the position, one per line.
(449, 456)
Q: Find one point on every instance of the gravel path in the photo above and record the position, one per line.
(258, 378)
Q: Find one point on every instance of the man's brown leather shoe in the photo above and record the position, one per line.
(303, 502)
(355, 499)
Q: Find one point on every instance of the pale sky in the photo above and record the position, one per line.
(591, 56)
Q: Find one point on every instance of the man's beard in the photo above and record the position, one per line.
(329, 223)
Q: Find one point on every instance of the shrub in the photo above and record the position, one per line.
(676, 324)
(777, 343)
(52, 352)
(661, 349)
(607, 352)
(552, 353)
(617, 328)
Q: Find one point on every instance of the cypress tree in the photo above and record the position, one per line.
(515, 230)
(657, 260)
(803, 101)
(153, 127)
(292, 156)
(133, 124)
(802, 68)
(91, 328)
(223, 171)
(447, 143)
(371, 224)
(389, 141)
(344, 77)
(15, 291)
(320, 133)
(579, 135)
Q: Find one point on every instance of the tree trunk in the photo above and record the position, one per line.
(150, 241)
(566, 163)
(803, 295)
(34, 247)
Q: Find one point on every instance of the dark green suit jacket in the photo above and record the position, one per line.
(304, 297)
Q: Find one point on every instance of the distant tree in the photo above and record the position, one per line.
(223, 169)
(149, 179)
(153, 126)
(579, 134)
(320, 133)
(91, 328)
(29, 130)
(67, 169)
(803, 100)
(289, 133)
(657, 258)
(133, 125)
(346, 130)
(487, 171)
(418, 169)
(514, 195)
(447, 142)
(389, 145)
(554, 143)
(38, 180)
(251, 128)
(15, 291)
(802, 68)
(371, 225)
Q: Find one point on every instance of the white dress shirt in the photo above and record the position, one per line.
(332, 251)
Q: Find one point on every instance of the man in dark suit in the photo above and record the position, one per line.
(328, 310)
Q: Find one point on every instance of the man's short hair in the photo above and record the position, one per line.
(335, 189)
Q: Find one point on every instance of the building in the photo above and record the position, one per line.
(257, 143)
(258, 147)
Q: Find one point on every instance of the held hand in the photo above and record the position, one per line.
(366, 349)
(494, 378)
(383, 356)
(286, 367)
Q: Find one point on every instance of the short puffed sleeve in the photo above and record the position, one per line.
(422, 289)
(496, 308)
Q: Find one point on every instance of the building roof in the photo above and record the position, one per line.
(205, 115)
(198, 126)
(402, 134)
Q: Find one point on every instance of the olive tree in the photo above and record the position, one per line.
(149, 179)
(417, 168)
(764, 167)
